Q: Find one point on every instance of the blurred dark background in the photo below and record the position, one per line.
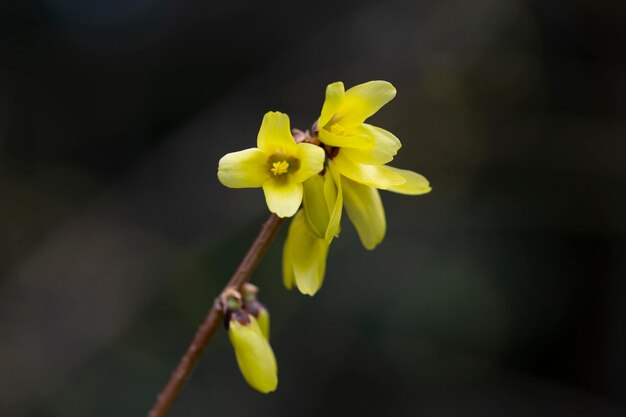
(500, 293)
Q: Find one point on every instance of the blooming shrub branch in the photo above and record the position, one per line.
(311, 177)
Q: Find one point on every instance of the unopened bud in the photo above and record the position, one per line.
(261, 314)
(253, 306)
(254, 354)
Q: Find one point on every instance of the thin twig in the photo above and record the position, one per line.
(213, 319)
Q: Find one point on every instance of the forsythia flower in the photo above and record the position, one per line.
(361, 150)
(356, 154)
(278, 164)
(254, 354)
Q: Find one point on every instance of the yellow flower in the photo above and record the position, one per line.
(254, 354)
(358, 152)
(341, 123)
(278, 164)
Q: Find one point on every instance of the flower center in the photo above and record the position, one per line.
(279, 167)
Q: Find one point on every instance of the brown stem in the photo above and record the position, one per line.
(213, 319)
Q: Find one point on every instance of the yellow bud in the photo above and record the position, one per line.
(254, 354)
(256, 308)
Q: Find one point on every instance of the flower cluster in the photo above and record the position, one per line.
(313, 175)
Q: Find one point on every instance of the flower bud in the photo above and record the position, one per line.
(261, 315)
(256, 308)
(254, 354)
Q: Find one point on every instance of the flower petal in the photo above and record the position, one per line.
(243, 169)
(332, 103)
(311, 159)
(362, 141)
(288, 274)
(415, 184)
(307, 256)
(363, 100)
(323, 201)
(310, 267)
(282, 197)
(385, 146)
(264, 323)
(315, 205)
(379, 176)
(275, 134)
(365, 210)
(254, 354)
(333, 194)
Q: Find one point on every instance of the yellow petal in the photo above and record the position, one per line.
(363, 100)
(315, 205)
(310, 268)
(322, 204)
(311, 158)
(254, 355)
(385, 146)
(275, 134)
(307, 256)
(332, 103)
(415, 183)
(288, 274)
(243, 169)
(362, 141)
(333, 194)
(264, 323)
(378, 176)
(366, 212)
(283, 197)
